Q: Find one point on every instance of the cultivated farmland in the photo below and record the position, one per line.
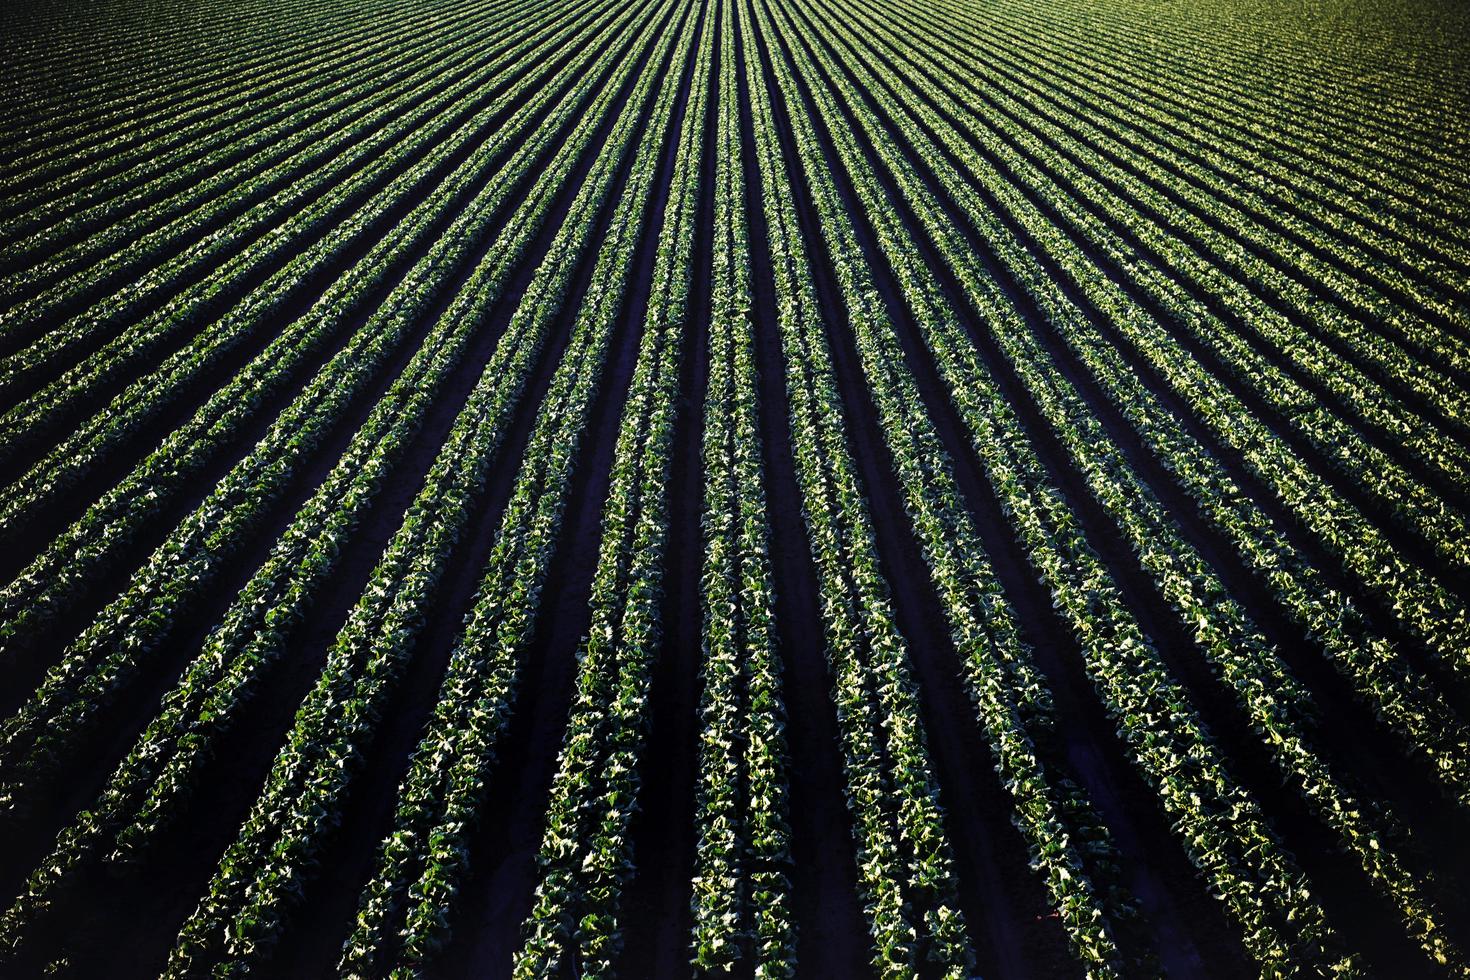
(734, 488)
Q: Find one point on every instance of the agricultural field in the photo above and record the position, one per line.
(734, 488)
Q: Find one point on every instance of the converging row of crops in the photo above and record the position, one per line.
(734, 488)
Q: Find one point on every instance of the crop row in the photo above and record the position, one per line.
(1256, 879)
(422, 236)
(905, 866)
(1423, 606)
(457, 166)
(151, 786)
(1222, 629)
(1117, 427)
(166, 181)
(109, 653)
(254, 886)
(740, 888)
(92, 107)
(586, 855)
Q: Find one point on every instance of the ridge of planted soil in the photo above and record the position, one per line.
(498, 891)
(831, 937)
(656, 900)
(302, 295)
(1000, 898)
(274, 707)
(1361, 911)
(1270, 199)
(162, 522)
